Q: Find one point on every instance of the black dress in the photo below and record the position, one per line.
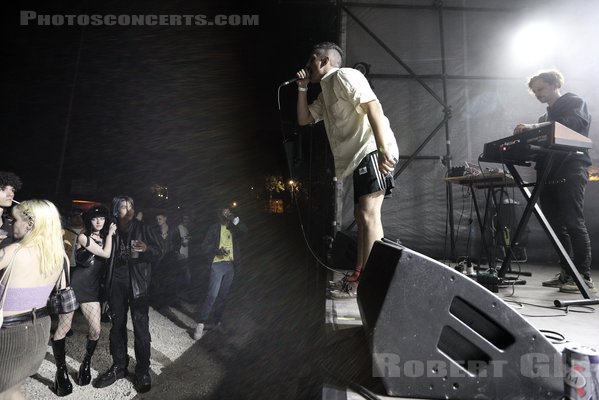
(86, 280)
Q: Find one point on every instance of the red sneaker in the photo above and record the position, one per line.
(355, 277)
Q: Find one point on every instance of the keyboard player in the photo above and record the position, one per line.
(562, 198)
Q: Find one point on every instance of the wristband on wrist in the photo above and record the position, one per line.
(302, 89)
(382, 149)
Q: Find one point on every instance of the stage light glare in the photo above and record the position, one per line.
(535, 43)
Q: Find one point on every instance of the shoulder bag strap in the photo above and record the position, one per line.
(66, 271)
(65, 274)
(87, 242)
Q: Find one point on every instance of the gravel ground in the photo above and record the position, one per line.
(268, 346)
(169, 341)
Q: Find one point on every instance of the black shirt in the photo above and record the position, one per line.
(571, 111)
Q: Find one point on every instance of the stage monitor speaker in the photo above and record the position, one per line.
(345, 250)
(436, 334)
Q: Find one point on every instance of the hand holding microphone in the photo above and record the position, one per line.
(302, 78)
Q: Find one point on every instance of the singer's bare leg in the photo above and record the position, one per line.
(370, 227)
(355, 276)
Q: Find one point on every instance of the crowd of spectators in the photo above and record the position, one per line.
(119, 261)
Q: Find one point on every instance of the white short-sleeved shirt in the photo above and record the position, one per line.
(348, 129)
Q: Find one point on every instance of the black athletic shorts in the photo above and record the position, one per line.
(368, 179)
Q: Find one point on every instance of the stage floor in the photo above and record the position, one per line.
(532, 301)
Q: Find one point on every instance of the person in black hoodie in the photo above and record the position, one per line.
(128, 277)
(164, 288)
(562, 198)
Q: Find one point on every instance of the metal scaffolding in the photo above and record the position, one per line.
(344, 10)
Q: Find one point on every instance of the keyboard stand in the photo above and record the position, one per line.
(532, 206)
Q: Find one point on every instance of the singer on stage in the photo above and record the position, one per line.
(562, 198)
(360, 136)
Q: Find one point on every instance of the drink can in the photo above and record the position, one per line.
(134, 253)
(581, 372)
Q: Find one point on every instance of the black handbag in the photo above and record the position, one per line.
(84, 257)
(62, 300)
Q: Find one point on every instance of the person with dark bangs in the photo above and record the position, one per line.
(93, 248)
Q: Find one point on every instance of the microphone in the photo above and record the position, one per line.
(289, 81)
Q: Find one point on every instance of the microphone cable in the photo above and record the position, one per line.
(294, 197)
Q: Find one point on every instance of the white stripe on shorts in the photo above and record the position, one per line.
(379, 177)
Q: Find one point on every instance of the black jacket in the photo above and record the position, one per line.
(140, 269)
(6, 225)
(212, 240)
(170, 246)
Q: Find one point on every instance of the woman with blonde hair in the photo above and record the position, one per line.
(32, 267)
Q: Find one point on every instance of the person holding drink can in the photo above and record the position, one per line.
(127, 288)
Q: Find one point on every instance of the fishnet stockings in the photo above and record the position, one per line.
(92, 313)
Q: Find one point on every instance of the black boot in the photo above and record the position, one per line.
(84, 377)
(62, 383)
(109, 377)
